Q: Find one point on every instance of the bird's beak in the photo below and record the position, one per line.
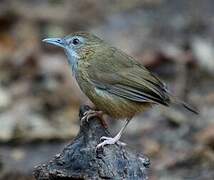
(55, 41)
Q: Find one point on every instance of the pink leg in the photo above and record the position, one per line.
(110, 140)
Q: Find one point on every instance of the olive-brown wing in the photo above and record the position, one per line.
(119, 74)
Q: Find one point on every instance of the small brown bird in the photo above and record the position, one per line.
(117, 84)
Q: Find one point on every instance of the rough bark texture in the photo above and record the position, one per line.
(80, 160)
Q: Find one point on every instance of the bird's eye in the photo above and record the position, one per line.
(75, 41)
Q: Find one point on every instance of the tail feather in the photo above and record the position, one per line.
(187, 106)
(176, 101)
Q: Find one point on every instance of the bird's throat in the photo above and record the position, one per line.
(73, 61)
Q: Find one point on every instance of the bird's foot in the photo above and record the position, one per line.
(89, 114)
(92, 113)
(114, 140)
(110, 140)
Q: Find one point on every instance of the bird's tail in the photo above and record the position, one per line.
(176, 101)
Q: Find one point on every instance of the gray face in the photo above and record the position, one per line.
(71, 45)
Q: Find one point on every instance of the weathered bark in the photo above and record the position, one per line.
(80, 160)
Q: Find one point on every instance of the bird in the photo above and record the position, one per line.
(115, 82)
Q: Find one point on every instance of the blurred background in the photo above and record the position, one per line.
(39, 99)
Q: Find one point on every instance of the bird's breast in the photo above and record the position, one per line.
(113, 105)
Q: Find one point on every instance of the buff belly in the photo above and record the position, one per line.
(115, 106)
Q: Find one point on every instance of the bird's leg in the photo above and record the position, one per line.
(93, 113)
(110, 140)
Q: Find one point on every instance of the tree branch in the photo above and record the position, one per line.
(80, 160)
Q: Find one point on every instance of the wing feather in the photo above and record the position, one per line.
(122, 76)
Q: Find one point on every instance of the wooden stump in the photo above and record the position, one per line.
(80, 160)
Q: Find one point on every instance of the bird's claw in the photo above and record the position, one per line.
(121, 143)
(85, 117)
(108, 141)
(88, 114)
(109, 138)
(105, 138)
(92, 113)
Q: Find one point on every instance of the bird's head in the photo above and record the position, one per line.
(77, 46)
